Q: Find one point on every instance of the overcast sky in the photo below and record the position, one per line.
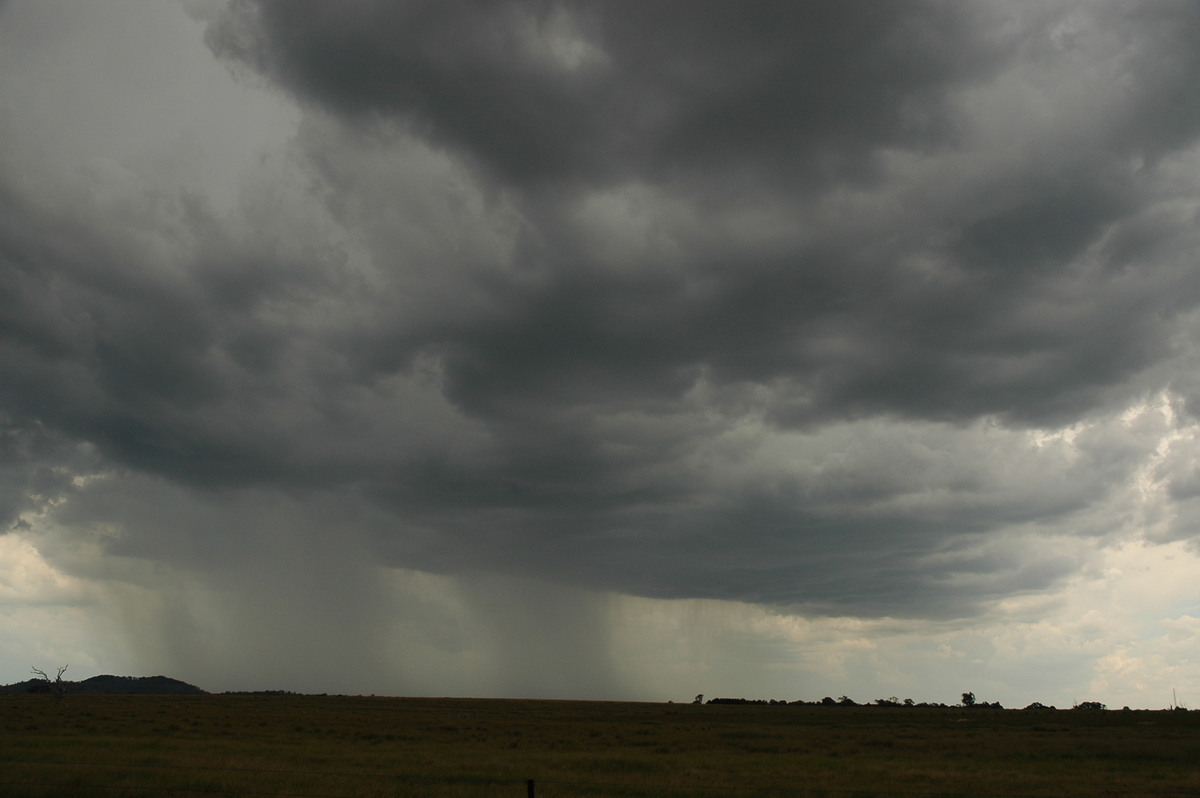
(603, 349)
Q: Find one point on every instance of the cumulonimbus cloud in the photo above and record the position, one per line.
(780, 303)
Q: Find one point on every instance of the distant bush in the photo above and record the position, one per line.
(737, 701)
(260, 692)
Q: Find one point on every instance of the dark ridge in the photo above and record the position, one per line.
(110, 685)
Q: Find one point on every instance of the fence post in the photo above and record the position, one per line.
(529, 788)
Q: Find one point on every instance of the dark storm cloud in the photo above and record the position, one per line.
(763, 105)
(593, 91)
(97, 340)
(37, 469)
(747, 301)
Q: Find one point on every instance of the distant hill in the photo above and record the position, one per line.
(112, 685)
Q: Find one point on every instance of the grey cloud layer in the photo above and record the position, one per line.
(743, 301)
(999, 301)
(596, 91)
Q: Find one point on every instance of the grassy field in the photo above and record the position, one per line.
(359, 746)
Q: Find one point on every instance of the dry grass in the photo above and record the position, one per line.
(340, 746)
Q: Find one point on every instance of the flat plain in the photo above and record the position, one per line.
(285, 745)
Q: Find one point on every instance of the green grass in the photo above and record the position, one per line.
(350, 746)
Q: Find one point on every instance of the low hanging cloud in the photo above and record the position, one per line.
(855, 311)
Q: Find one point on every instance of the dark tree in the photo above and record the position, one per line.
(58, 686)
(968, 699)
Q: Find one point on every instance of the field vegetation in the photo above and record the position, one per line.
(287, 745)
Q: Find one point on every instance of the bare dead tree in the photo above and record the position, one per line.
(57, 686)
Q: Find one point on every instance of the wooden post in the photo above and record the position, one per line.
(529, 788)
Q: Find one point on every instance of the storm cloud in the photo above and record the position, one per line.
(843, 310)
